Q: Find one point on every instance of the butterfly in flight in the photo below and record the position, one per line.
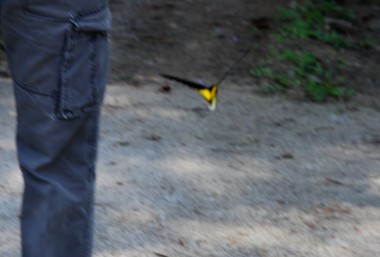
(209, 93)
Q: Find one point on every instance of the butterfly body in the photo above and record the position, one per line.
(209, 93)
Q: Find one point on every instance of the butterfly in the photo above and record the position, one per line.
(209, 93)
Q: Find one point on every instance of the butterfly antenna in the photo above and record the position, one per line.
(228, 72)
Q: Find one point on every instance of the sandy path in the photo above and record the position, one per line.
(259, 177)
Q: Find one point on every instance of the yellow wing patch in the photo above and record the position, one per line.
(210, 95)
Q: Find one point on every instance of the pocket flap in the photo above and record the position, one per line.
(99, 21)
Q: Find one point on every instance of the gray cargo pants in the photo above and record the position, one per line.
(58, 56)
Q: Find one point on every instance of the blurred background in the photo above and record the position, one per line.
(313, 49)
(308, 49)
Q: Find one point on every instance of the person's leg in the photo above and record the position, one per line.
(58, 61)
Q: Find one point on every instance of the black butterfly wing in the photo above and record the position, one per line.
(184, 81)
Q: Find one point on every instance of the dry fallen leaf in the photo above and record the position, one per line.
(165, 89)
(161, 255)
(287, 155)
(334, 181)
(261, 23)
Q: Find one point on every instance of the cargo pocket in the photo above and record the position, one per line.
(84, 65)
(33, 46)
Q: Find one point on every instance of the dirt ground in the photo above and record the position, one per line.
(259, 177)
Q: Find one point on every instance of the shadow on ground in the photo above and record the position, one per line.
(258, 177)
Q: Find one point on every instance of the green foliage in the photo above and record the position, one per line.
(302, 70)
(262, 72)
(308, 21)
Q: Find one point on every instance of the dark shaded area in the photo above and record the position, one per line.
(199, 40)
(193, 39)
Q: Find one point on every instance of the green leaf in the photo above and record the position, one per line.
(287, 13)
(262, 72)
(316, 91)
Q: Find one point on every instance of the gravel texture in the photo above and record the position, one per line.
(259, 177)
